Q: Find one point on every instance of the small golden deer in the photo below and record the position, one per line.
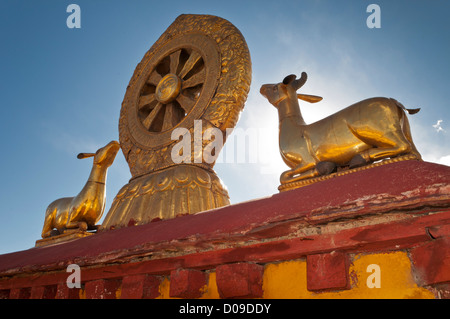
(84, 210)
(364, 132)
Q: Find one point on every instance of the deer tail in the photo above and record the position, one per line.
(400, 105)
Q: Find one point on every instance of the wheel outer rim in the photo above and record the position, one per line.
(211, 57)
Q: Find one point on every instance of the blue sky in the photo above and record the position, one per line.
(62, 89)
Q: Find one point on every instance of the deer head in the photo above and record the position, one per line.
(275, 93)
(104, 156)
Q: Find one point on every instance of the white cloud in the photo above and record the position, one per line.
(438, 126)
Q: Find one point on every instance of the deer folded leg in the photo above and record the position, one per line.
(80, 225)
(400, 146)
(389, 142)
(379, 153)
(46, 232)
(299, 173)
(48, 223)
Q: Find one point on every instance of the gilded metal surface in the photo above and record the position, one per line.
(177, 190)
(84, 210)
(211, 58)
(198, 70)
(68, 235)
(167, 90)
(365, 132)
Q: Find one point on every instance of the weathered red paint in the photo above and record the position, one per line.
(240, 280)
(20, 293)
(187, 283)
(140, 287)
(441, 291)
(4, 294)
(370, 191)
(432, 261)
(43, 292)
(390, 236)
(102, 289)
(327, 271)
(416, 195)
(64, 292)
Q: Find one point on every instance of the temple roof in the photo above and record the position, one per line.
(392, 192)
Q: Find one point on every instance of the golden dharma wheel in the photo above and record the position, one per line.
(199, 69)
(174, 89)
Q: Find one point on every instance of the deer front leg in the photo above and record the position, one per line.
(320, 169)
(83, 226)
(301, 171)
(74, 219)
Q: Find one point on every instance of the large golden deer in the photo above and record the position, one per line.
(364, 132)
(85, 209)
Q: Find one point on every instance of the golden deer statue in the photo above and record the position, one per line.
(84, 210)
(362, 133)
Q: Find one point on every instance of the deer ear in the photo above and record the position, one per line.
(309, 98)
(287, 80)
(85, 155)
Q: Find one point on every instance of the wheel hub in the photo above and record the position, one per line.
(168, 88)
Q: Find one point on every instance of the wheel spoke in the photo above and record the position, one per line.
(151, 117)
(169, 117)
(185, 102)
(154, 78)
(146, 100)
(174, 61)
(194, 80)
(190, 63)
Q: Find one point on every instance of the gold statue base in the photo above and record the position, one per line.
(306, 182)
(67, 236)
(165, 194)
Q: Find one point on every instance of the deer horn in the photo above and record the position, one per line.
(289, 79)
(300, 82)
